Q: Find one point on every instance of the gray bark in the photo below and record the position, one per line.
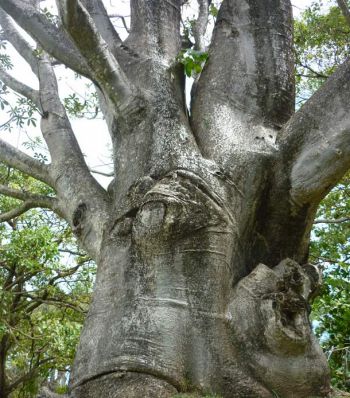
(202, 238)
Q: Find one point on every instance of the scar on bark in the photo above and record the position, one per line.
(79, 217)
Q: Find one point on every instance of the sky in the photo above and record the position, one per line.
(92, 134)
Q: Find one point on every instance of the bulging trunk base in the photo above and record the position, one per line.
(125, 385)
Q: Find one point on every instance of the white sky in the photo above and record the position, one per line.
(91, 134)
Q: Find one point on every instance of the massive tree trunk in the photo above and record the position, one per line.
(202, 238)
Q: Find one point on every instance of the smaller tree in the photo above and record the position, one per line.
(45, 285)
(331, 310)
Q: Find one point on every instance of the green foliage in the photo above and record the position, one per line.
(85, 106)
(193, 61)
(321, 44)
(213, 10)
(330, 248)
(45, 286)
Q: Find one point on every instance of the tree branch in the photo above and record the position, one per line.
(52, 39)
(27, 376)
(201, 23)
(22, 162)
(76, 189)
(25, 195)
(122, 17)
(31, 201)
(345, 10)
(13, 36)
(248, 80)
(103, 24)
(252, 44)
(332, 221)
(110, 174)
(20, 87)
(155, 28)
(317, 139)
(18, 211)
(104, 67)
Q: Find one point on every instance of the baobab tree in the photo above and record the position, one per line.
(201, 240)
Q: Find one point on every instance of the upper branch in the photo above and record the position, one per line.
(78, 192)
(53, 39)
(21, 45)
(30, 201)
(20, 161)
(20, 87)
(344, 9)
(250, 66)
(25, 195)
(201, 23)
(104, 67)
(18, 211)
(155, 27)
(103, 23)
(317, 139)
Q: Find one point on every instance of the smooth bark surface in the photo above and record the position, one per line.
(202, 238)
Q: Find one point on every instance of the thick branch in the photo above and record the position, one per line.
(20, 87)
(55, 124)
(201, 23)
(345, 10)
(248, 80)
(54, 40)
(104, 25)
(317, 139)
(104, 67)
(155, 27)
(22, 162)
(250, 66)
(84, 201)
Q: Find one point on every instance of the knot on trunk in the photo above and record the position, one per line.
(78, 218)
(177, 206)
(278, 327)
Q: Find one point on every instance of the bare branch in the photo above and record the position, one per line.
(103, 24)
(122, 17)
(74, 184)
(19, 43)
(332, 221)
(345, 10)
(255, 41)
(30, 199)
(22, 162)
(52, 39)
(18, 211)
(26, 195)
(20, 87)
(104, 67)
(201, 23)
(317, 139)
(55, 125)
(111, 174)
(248, 80)
(155, 27)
